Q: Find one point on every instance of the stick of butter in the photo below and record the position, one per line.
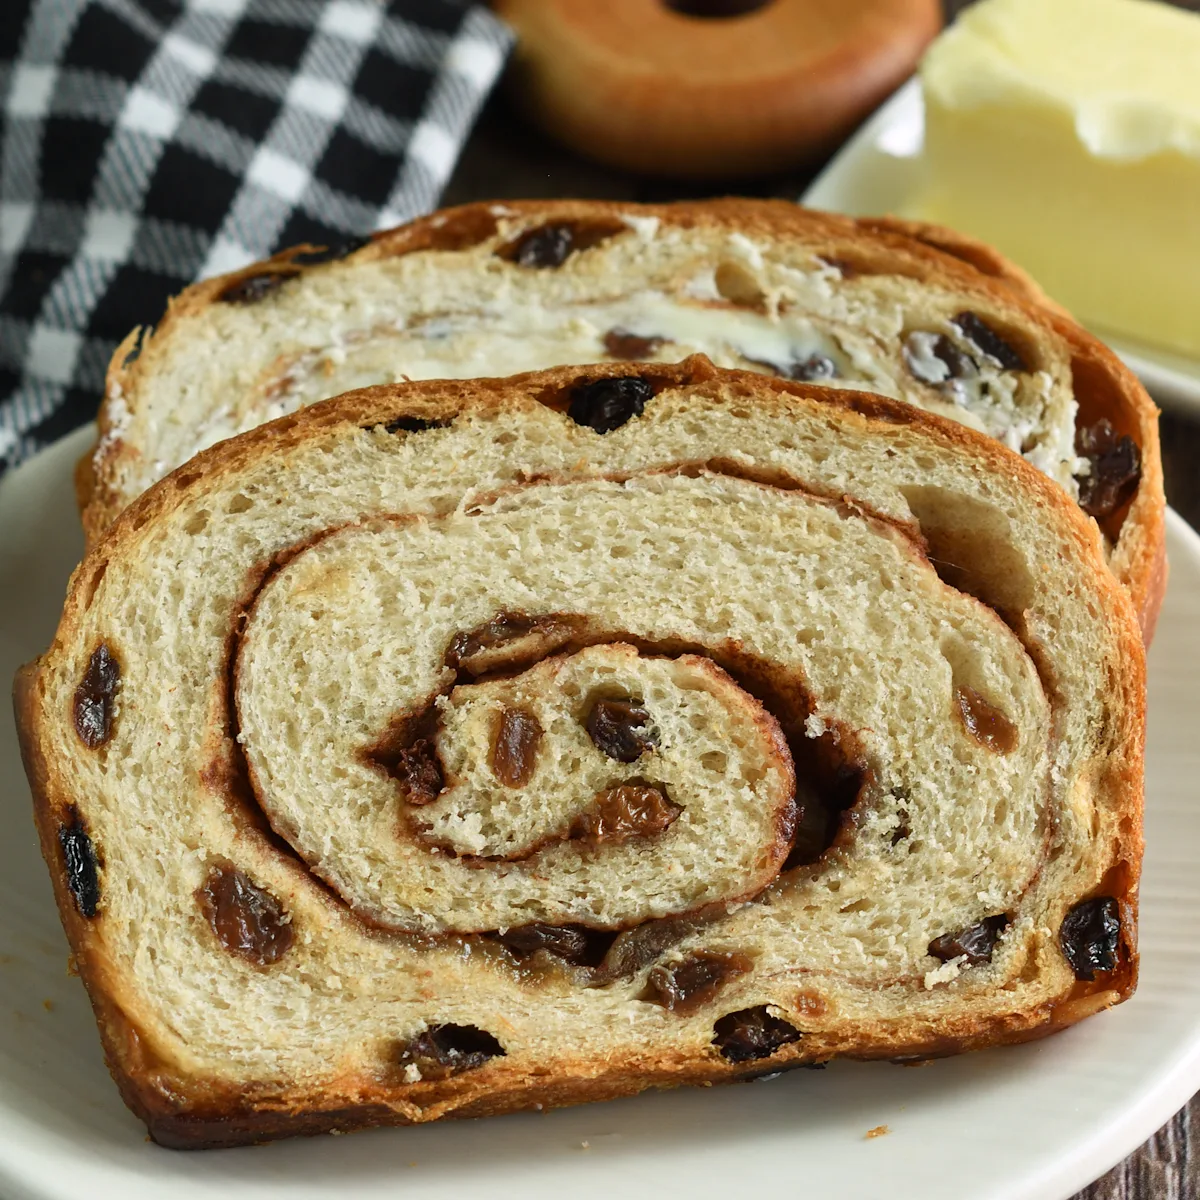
(1067, 134)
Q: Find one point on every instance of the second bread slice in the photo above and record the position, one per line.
(492, 289)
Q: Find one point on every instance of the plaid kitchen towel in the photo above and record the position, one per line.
(147, 143)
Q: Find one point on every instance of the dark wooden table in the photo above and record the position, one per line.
(506, 159)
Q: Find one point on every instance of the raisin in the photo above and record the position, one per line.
(445, 1050)
(79, 859)
(815, 366)
(975, 943)
(632, 949)
(413, 425)
(1116, 469)
(985, 339)
(503, 627)
(628, 810)
(253, 288)
(331, 253)
(550, 245)
(247, 920)
(506, 641)
(752, 1033)
(1090, 936)
(94, 698)
(685, 986)
(616, 729)
(607, 404)
(419, 772)
(574, 943)
(515, 746)
(621, 344)
(984, 722)
(546, 246)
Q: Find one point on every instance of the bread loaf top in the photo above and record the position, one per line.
(380, 755)
(491, 289)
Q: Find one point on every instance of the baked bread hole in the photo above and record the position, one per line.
(409, 424)
(738, 284)
(93, 585)
(971, 548)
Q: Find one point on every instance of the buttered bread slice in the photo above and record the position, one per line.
(459, 747)
(492, 289)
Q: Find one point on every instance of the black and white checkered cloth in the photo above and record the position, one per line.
(148, 143)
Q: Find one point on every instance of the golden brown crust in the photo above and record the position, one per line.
(233, 1119)
(188, 1112)
(1104, 386)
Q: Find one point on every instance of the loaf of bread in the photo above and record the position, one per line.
(906, 311)
(452, 748)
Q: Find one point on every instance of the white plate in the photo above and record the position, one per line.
(877, 171)
(1031, 1122)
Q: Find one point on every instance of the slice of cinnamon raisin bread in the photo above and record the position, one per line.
(902, 310)
(458, 747)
